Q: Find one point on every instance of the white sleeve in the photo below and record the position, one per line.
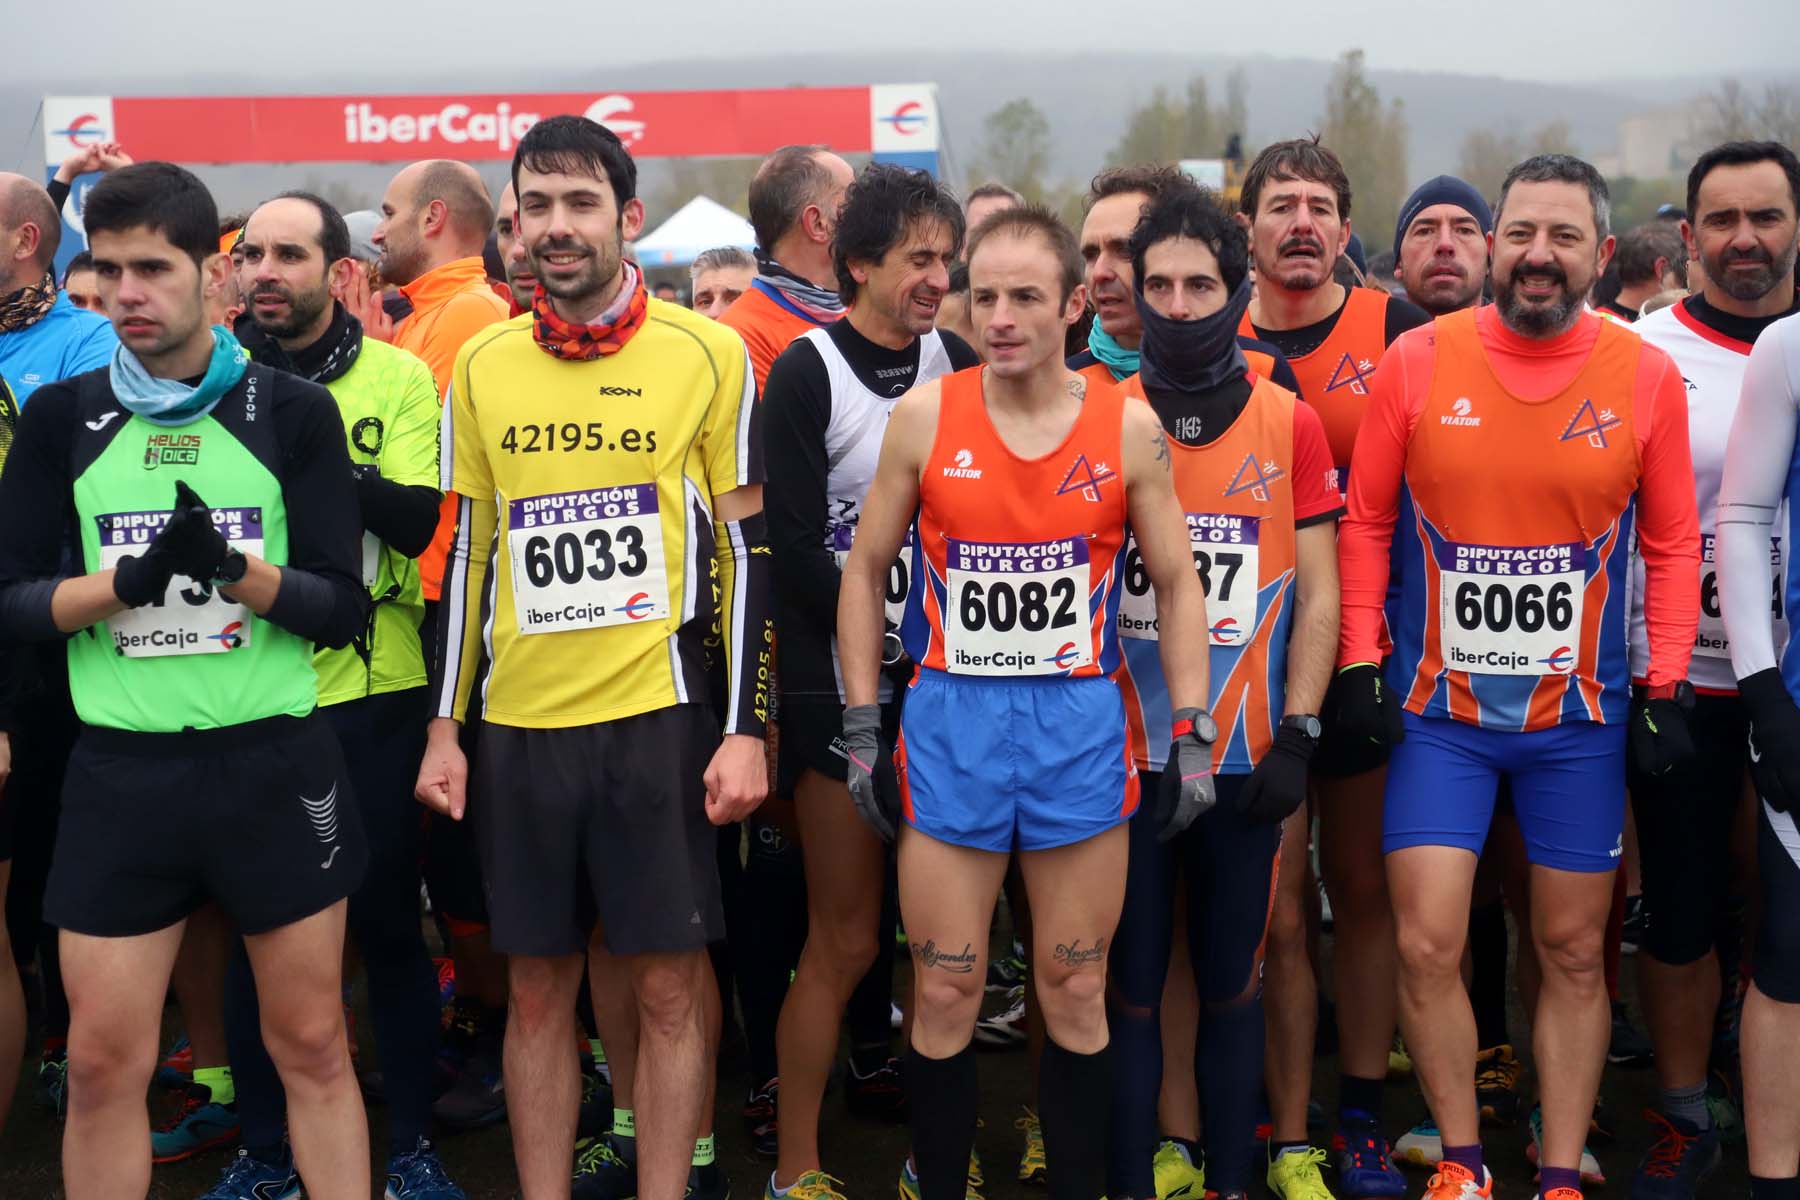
(1757, 460)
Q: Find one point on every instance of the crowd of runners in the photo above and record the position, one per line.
(418, 595)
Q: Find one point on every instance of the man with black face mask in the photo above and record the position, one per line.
(1255, 476)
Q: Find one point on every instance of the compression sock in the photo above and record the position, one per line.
(1073, 1093)
(1469, 1158)
(1360, 1096)
(1775, 1189)
(942, 1095)
(1228, 1061)
(1487, 982)
(1688, 1103)
(217, 1081)
(1551, 1178)
(624, 1134)
(705, 1151)
(1136, 1031)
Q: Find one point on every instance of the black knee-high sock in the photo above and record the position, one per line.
(942, 1095)
(1488, 976)
(1073, 1092)
(1228, 1062)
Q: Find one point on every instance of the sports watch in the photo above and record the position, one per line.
(1201, 725)
(231, 568)
(1305, 722)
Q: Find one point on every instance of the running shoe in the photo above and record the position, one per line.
(708, 1183)
(477, 1098)
(1591, 1174)
(248, 1178)
(1031, 1159)
(812, 1185)
(596, 1103)
(1178, 1177)
(1679, 1158)
(1603, 1126)
(1005, 974)
(418, 1175)
(1722, 1102)
(878, 1095)
(1004, 1029)
(446, 981)
(601, 1172)
(1400, 1063)
(909, 1181)
(1453, 1182)
(53, 1082)
(1561, 1193)
(1629, 1047)
(1296, 1175)
(1497, 1085)
(1365, 1166)
(176, 1070)
(759, 1119)
(1633, 935)
(198, 1126)
(1421, 1146)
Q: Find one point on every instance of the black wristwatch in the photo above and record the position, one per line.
(1305, 722)
(231, 568)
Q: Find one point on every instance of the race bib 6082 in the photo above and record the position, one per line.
(1017, 608)
(581, 560)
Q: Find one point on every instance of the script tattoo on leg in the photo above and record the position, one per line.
(1074, 954)
(929, 955)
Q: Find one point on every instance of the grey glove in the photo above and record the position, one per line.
(1186, 793)
(870, 760)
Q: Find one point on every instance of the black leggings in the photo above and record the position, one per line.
(383, 738)
(1229, 865)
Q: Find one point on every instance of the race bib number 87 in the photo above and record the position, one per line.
(1017, 608)
(1225, 557)
(581, 560)
(1511, 610)
(191, 618)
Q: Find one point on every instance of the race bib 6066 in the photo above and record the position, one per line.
(585, 559)
(1225, 557)
(1511, 610)
(1017, 608)
(191, 618)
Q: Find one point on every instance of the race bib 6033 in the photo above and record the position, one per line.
(585, 559)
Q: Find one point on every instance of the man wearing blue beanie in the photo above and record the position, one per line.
(1440, 245)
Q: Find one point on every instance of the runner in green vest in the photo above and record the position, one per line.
(194, 536)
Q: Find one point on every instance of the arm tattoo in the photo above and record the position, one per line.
(1074, 954)
(1162, 448)
(930, 955)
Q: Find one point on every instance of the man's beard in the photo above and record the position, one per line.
(303, 309)
(1541, 318)
(601, 268)
(1748, 287)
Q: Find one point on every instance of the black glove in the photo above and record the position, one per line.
(1661, 740)
(1774, 739)
(1366, 709)
(140, 579)
(195, 544)
(1186, 791)
(1278, 784)
(872, 786)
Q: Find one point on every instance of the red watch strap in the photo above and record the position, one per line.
(1181, 728)
(1661, 691)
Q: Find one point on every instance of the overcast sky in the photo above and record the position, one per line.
(496, 45)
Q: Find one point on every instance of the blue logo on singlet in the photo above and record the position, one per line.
(1591, 425)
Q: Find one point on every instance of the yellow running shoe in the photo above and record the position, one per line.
(812, 1185)
(1178, 1177)
(1399, 1061)
(1031, 1161)
(1295, 1175)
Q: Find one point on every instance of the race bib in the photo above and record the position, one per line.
(899, 576)
(1224, 547)
(1016, 608)
(1710, 641)
(1511, 610)
(191, 618)
(581, 560)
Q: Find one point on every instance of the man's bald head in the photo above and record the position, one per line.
(30, 231)
(434, 212)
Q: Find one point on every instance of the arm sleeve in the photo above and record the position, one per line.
(796, 414)
(1377, 466)
(465, 472)
(1668, 528)
(1316, 497)
(1758, 459)
(36, 481)
(403, 517)
(321, 597)
(58, 192)
(732, 449)
(400, 506)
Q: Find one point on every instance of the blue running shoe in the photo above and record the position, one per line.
(199, 1126)
(250, 1178)
(1365, 1164)
(1677, 1161)
(176, 1070)
(53, 1082)
(419, 1175)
